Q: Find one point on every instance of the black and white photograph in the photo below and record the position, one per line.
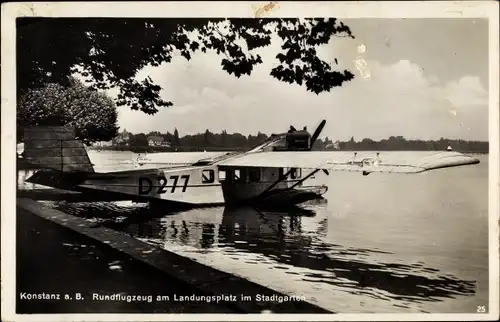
(250, 161)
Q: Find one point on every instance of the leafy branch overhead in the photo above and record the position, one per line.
(110, 52)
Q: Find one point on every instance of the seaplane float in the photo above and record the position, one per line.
(273, 173)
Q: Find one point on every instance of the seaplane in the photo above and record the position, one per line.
(272, 173)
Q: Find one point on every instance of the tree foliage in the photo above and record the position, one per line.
(93, 114)
(112, 50)
(139, 140)
(176, 139)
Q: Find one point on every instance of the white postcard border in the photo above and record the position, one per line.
(396, 9)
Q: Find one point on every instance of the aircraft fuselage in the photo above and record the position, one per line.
(197, 186)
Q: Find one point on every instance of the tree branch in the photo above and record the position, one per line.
(223, 38)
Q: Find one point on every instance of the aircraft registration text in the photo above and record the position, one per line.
(146, 185)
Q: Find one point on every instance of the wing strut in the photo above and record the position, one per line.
(276, 182)
(305, 178)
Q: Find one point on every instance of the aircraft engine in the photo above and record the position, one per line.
(298, 141)
(301, 140)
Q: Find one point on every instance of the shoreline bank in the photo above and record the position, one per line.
(159, 267)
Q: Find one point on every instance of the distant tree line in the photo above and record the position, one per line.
(397, 143)
(224, 141)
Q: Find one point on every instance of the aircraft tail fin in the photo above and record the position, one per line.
(55, 147)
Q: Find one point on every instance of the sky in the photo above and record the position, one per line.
(424, 79)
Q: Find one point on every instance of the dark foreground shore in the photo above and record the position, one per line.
(55, 260)
(68, 265)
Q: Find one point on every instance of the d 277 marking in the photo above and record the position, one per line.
(146, 185)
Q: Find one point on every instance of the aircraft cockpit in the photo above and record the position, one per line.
(298, 141)
(293, 141)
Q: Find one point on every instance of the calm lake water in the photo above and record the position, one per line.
(380, 244)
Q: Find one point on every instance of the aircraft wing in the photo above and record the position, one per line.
(341, 161)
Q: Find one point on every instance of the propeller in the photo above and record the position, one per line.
(317, 132)
(315, 137)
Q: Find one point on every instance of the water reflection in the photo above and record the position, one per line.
(286, 241)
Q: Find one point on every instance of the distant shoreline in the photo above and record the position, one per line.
(154, 149)
(194, 149)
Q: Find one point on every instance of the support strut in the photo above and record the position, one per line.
(305, 178)
(285, 176)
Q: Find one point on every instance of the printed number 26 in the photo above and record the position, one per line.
(481, 309)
